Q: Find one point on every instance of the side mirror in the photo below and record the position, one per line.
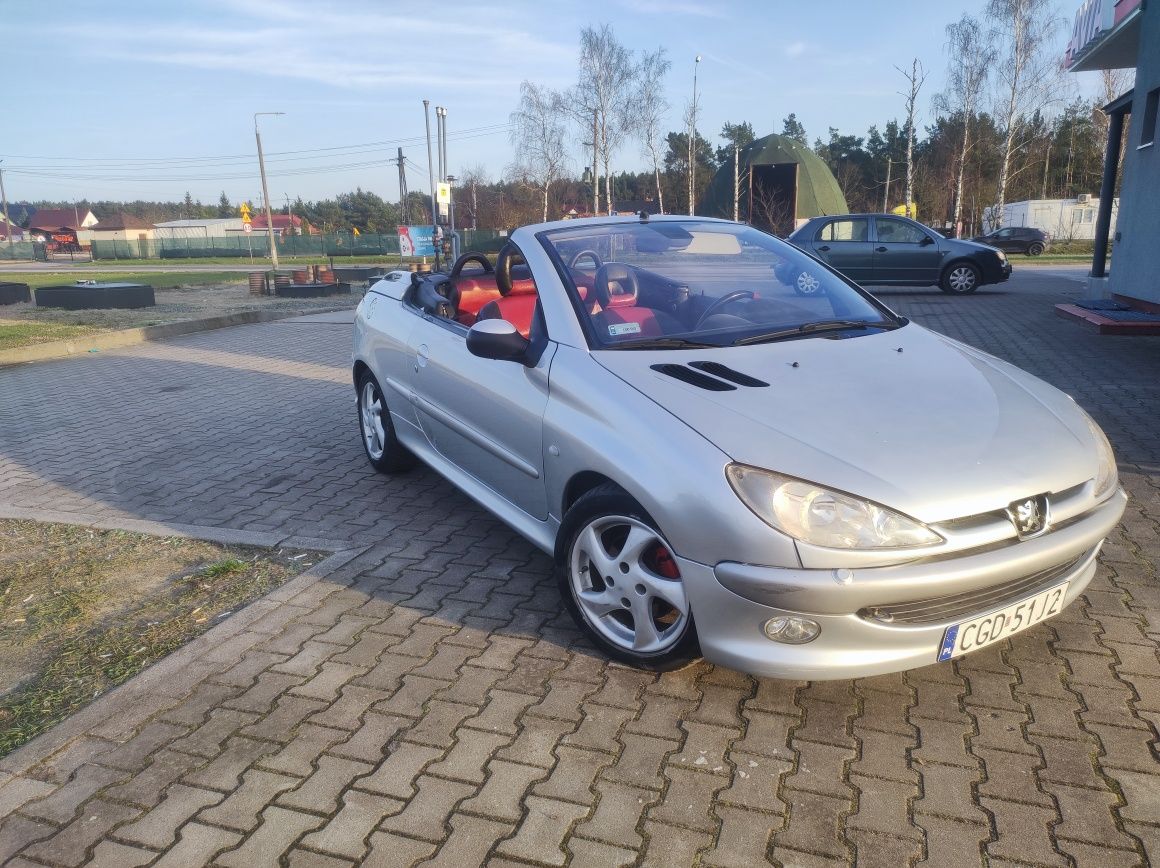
(497, 339)
(926, 241)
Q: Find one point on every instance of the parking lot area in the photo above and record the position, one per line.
(422, 694)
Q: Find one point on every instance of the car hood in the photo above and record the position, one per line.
(907, 418)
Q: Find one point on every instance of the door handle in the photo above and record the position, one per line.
(824, 248)
(880, 249)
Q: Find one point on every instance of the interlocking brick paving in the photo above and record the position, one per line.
(428, 699)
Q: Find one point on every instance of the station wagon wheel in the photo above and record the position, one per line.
(384, 451)
(1034, 248)
(961, 278)
(622, 584)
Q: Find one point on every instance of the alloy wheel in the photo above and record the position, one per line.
(807, 284)
(371, 421)
(627, 585)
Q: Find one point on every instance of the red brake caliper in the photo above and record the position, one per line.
(664, 564)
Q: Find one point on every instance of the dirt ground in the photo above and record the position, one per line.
(24, 324)
(82, 610)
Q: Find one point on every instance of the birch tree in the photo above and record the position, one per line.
(604, 98)
(538, 133)
(1024, 73)
(970, 56)
(914, 79)
(651, 108)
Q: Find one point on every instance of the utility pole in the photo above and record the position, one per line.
(736, 182)
(431, 177)
(595, 151)
(402, 189)
(693, 140)
(886, 192)
(266, 191)
(7, 222)
(474, 204)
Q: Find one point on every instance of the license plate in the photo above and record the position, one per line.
(987, 629)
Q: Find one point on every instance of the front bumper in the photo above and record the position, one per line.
(998, 272)
(732, 601)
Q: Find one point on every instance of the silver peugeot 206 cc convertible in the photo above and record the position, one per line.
(792, 486)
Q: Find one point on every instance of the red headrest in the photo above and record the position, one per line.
(526, 286)
(623, 299)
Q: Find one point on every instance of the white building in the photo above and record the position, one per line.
(216, 228)
(1062, 219)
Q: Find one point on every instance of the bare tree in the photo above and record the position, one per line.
(1024, 75)
(914, 79)
(1113, 82)
(538, 133)
(604, 97)
(651, 107)
(970, 55)
(471, 178)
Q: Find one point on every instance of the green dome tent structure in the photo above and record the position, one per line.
(780, 181)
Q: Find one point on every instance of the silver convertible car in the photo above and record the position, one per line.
(792, 486)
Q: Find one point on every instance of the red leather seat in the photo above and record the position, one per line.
(622, 310)
(475, 291)
(517, 307)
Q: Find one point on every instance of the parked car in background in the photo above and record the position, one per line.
(799, 487)
(877, 249)
(1017, 239)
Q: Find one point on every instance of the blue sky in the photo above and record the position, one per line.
(149, 99)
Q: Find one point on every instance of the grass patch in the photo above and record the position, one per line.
(22, 333)
(83, 610)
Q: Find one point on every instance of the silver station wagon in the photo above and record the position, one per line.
(804, 486)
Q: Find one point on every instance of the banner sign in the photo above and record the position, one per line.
(416, 240)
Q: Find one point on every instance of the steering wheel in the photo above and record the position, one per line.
(728, 298)
(624, 276)
(591, 254)
(470, 257)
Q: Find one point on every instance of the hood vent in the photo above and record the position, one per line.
(726, 373)
(693, 378)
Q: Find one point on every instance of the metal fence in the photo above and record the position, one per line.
(23, 250)
(256, 245)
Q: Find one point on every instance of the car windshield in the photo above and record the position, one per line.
(693, 283)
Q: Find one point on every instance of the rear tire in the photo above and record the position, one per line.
(383, 449)
(620, 583)
(961, 278)
(1034, 248)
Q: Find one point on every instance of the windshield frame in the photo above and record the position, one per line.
(595, 341)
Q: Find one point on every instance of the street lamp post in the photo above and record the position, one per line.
(265, 190)
(693, 140)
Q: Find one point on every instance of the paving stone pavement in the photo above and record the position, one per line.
(429, 700)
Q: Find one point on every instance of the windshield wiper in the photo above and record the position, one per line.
(662, 344)
(811, 327)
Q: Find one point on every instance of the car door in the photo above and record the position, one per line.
(844, 244)
(905, 253)
(483, 416)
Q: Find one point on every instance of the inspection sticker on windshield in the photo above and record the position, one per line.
(624, 328)
(974, 634)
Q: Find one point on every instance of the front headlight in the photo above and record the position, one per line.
(822, 517)
(1106, 474)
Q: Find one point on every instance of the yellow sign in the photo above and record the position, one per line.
(443, 193)
(245, 211)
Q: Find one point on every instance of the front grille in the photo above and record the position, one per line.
(954, 607)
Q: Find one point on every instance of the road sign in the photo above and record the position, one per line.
(443, 193)
(246, 227)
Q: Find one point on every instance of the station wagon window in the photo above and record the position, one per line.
(845, 230)
(899, 232)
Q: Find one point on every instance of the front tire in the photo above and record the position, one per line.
(383, 449)
(621, 584)
(961, 278)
